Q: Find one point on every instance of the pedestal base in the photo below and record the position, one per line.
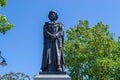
(52, 77)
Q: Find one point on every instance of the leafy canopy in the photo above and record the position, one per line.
(92, 52)
(4, 24)
(3, 3)
(15, 76)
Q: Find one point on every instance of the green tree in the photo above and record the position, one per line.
(4, 24)
(15, 76)
(93, 52)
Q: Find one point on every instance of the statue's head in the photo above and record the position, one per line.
(53, 16)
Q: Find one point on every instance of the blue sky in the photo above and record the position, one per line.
(22, 46)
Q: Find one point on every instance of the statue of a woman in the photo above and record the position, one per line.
(53, 60)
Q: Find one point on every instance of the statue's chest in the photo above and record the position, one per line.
(53, 28)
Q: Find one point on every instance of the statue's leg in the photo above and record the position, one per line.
(59, 67)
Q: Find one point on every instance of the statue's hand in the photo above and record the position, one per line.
(53, 37)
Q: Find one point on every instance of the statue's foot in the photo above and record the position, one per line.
(59, 69)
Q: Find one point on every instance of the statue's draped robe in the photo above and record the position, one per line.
(53, 46)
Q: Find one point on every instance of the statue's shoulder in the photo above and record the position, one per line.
(56, 23)
(59, 23)
(46, 23)
(49, 23)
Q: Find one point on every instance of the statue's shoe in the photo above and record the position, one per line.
(59, 69)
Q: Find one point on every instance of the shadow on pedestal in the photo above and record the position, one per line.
(52, 73)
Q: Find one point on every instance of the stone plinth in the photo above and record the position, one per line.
(52, 77)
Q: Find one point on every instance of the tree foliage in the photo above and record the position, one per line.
(93, 52)
(3, 3)
(15, 76)
(4, 24)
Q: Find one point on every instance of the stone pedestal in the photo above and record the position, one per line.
(52, 77)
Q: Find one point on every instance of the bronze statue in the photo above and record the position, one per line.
(53, 60)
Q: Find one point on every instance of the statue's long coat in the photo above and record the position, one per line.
(53, 45)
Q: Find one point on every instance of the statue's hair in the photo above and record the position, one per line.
(54, 13)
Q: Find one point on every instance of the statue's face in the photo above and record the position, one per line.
(52, 17)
